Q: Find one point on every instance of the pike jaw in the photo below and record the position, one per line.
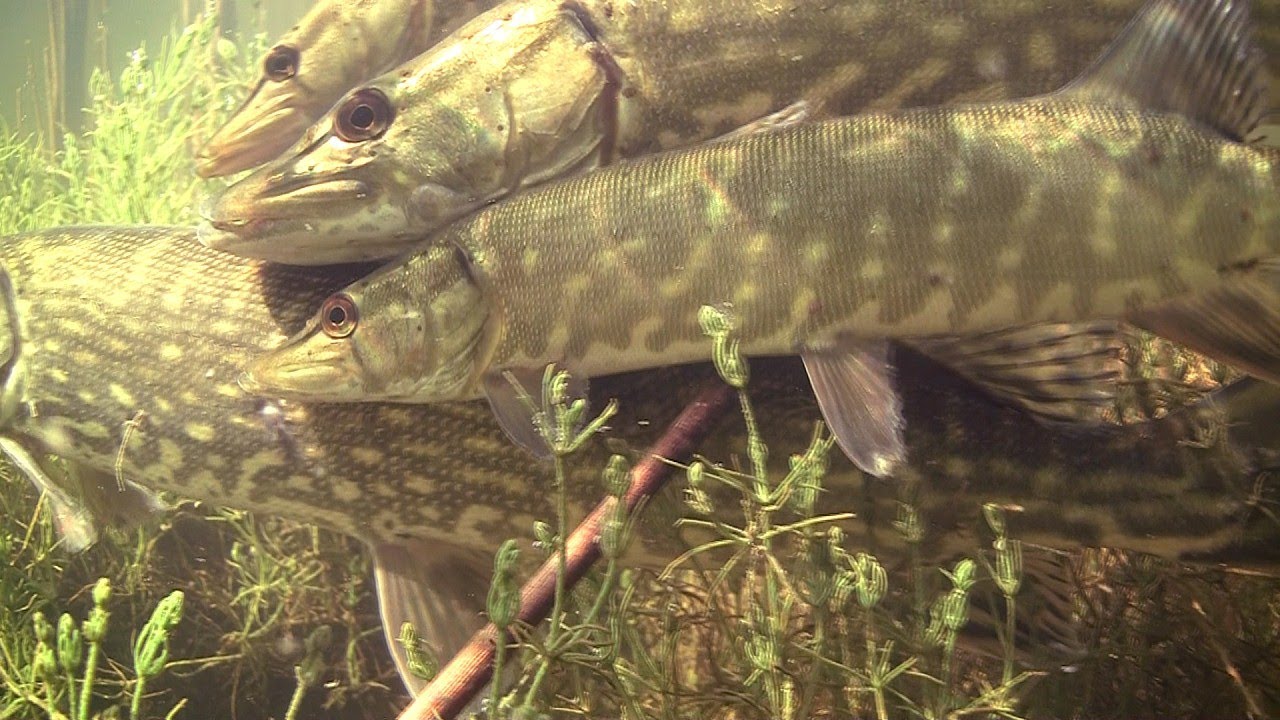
(348, 191)
(275, 114)
(336, 46)
(472, 120)
(373, 341)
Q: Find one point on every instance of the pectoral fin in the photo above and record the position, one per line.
(854, 387)
(438, 588)
(72, 520)
(1237, 322)
(81, 499)
(110, 500)
(513, 410)
(1057, 371)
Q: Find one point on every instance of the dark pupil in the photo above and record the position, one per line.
(362, 117)
(337, 316)
(279, 65)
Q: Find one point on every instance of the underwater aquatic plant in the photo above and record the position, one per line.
(132, 164)
(49, 682)
(775, 633)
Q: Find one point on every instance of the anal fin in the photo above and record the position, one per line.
(82, 499)
(854, 387)
(1064, 372)
(1237, 322)
(438, 588)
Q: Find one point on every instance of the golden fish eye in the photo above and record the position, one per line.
(281, 63)
(338, 316)
(364, 115)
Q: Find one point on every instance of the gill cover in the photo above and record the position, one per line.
(384, 338)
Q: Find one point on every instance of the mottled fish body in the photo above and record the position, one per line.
(535, 90)
(336, 46)
(123, 344)
(994, 236)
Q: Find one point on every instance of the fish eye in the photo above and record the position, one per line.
(338, 316)
(281, 63)
(364, 115)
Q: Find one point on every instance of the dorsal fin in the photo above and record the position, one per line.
(1195, 58)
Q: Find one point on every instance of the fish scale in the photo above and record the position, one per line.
(536, 90)
(113, 320)
(606, 272)
(1000, 237)
(481, 116)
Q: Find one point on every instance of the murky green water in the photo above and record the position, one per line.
(281, 619)
(66, 39)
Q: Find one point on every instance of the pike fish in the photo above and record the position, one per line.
(123, 344)
(1003, 239)
(337, 45)
(535, 90)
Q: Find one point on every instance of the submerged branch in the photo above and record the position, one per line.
(472, 667)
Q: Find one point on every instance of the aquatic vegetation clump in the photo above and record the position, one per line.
(132, 163)
(770, 612)
(62, 681)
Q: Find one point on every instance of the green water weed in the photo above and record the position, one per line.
(66, 650)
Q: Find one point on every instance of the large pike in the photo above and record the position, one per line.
(123, 344)
(336, 46)
(535, 90)
(973, 231)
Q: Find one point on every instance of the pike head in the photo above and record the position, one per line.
(376, 338)
(337, 45)
(404, 154)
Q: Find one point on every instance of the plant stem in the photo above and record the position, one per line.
(557, 603)
(295, 702)
(1010, 628)
(135, 705)
(90, 672)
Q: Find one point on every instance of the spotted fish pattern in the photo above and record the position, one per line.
(143, 327)
(116, 325)
(536, 90)
(917, 223)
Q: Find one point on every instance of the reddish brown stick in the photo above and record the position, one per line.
(469, 671)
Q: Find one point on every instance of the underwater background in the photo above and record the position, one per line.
(49, 49)
(278, 620)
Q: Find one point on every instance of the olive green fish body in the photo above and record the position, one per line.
(533, 91)
(921, 223)
(1004, 239)
(931, 222)
(142, 324)
(125, 344)
(144, 327)
(698, 70)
